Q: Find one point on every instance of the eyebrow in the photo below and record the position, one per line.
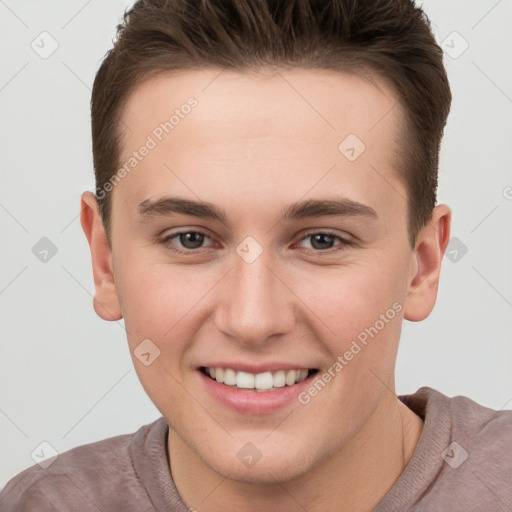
(304, 209)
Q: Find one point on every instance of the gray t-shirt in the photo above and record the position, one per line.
(462, 462)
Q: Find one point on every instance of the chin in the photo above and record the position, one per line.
(268, 470)
(261, 474)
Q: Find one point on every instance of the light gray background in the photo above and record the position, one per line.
(67, 377)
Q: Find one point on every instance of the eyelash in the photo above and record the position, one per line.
(166, 242)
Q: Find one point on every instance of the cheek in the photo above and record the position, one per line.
(167, 305)
(351, 298)
(161, 304)
(155, 296)
(360, 311)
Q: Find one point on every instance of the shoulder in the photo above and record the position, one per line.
(468, 420)
(476, 458)
(82, 478)
(484, 437)
(482, 429)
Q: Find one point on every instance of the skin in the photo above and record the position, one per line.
(255, 143)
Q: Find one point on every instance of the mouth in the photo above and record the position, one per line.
(257, 382)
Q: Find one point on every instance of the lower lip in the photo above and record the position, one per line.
(254, 402)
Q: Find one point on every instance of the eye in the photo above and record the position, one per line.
(189, 240)
(323, 241)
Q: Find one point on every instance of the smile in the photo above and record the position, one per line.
(266, 381)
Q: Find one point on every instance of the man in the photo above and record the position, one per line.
(264, 220)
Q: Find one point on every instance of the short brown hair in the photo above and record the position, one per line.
(390, 37)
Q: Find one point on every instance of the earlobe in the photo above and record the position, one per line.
(426, 265)
(106, 302)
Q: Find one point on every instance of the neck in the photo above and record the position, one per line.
(358, 476)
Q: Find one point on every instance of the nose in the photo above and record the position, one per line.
(256, 307)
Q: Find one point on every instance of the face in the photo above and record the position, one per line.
(262, 239)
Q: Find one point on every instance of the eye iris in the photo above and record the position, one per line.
(325, 241)
(191, 240)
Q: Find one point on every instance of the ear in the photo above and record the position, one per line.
(426, 265)
(106, 302)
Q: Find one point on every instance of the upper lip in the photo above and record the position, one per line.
(257, 368)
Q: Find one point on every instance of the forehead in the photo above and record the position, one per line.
(324, 100)
(269, 130)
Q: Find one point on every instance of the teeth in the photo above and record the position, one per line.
(302, 374)
(261, 381)
(291, 377)
(279, 379)
(229, 377)
(245, 380)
